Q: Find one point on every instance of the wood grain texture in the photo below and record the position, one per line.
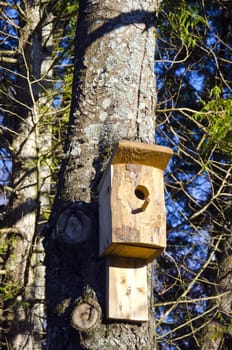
(127, 290)
(84, 316)
(132, 152)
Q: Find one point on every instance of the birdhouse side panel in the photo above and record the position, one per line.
(105, 215)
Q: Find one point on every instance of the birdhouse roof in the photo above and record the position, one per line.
(132, 152)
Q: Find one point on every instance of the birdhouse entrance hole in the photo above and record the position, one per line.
(142, 193)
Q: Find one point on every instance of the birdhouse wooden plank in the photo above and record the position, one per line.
(132, 215)
(127, 290)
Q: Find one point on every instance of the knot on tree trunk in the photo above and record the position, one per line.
(73, 226)
(86, 314)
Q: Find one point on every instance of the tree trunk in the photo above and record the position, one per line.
(114, 98)
(217, 333)
(25, 311)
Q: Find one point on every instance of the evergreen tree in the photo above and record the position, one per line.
(194, 70)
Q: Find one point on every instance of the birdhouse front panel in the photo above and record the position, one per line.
(138, 213)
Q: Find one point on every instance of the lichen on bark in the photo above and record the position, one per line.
(114, 90)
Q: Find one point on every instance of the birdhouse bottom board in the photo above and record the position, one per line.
(127, 290)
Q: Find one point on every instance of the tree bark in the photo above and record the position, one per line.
(114, 97)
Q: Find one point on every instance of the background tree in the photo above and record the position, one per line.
(194, 117)
(31, 39)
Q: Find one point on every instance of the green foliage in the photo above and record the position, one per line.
(62, 306)
(216, 113)
(9, 291)
(229, 329)
(66, 13)
(195, 94)
(183, 20)
(217, 330)
(72, 11)
(8, 288)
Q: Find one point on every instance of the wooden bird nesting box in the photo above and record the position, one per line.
(132, 215)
